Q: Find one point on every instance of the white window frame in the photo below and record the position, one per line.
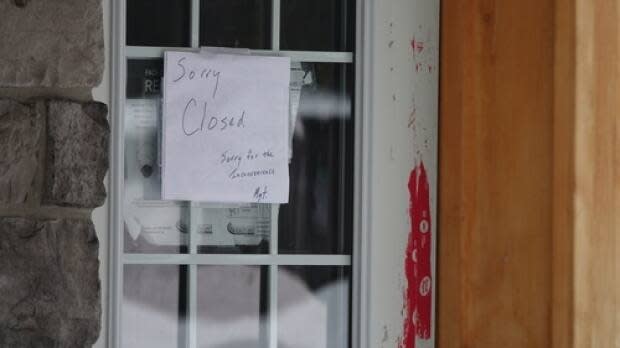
(359, 261)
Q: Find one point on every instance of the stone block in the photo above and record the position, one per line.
(49, 283)
(51, 43)
(21, 136)
(77, 154)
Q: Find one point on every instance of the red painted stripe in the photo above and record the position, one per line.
(418, 293)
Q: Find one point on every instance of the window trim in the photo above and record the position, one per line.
(360, 259)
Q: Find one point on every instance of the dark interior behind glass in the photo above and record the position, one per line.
(158, 23)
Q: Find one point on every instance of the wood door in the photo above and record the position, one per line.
(529, 174)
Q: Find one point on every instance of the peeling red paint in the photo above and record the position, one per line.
(418, 293)
(417, 46)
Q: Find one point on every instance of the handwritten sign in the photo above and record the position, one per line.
(225, 128)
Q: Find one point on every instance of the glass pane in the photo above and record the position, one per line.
(158, 23)
(232, 306)
(235, 23)
(156, 226)
(151, 225)
(233, 228)
(318, 217)
(153, 308)
(313, 307)
(317, 25)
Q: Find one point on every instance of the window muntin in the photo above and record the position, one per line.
(297, 247)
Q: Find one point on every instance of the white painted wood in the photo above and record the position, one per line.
(360, 292)
(237, 259)
(402, 132)
(116, 106)
(296, 56)
(195, 25)
(275, 25)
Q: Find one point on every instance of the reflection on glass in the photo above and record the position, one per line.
(317, 25)
(313, 307)
(232, 306)
(318, 217)
(151, 225)
(153, 308)
(158, 23)
(235, 23)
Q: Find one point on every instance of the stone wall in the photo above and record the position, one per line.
(54, 143)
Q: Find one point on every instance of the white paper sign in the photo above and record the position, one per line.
(225, 128)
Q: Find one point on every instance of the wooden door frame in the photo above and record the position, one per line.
(587, 174)
(557, 63)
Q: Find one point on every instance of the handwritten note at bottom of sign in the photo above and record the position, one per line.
(225, 128)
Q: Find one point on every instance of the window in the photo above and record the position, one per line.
(192, 274)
